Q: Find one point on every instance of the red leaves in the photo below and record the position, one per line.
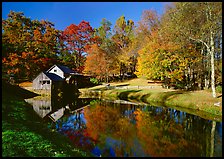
(76, 40)
(4, 60)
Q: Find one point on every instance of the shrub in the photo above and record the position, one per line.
(94, 80)
(219, 89)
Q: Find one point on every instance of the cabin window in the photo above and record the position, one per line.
(44, 82)
(55, 70)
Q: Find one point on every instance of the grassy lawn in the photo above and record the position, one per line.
(195, 102)
(24, 134)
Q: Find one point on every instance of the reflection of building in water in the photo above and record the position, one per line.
(55, 108)
(41, 106)
(57, 115)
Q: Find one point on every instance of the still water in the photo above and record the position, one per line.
(121, 128)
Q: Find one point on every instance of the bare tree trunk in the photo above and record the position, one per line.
(207, 75)
(189, 78)
(120, 70)
(107, 75)
(212, 66)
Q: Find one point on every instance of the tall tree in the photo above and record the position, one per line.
(161, 57)
(123, 37)
(147, 42)
(109, 47)
(76, 40)
(96, 64)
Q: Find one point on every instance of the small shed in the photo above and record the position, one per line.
(45, 81)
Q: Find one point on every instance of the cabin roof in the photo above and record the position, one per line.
(65, 69)
(53, 76)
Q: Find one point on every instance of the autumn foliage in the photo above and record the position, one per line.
(75, 42)
(29, 46)
(96, 64)
(167, 47)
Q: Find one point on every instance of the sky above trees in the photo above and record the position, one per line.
(62, 14)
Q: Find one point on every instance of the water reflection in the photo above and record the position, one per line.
(41, 106)
(54, 107)
(120, 128)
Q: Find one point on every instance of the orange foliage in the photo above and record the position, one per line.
(152, 135)
(96, 63)
(104, 121)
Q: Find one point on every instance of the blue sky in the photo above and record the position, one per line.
(63, 14)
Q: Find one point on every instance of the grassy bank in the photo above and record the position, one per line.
(199, 103)
(28, 86)
(25, 134)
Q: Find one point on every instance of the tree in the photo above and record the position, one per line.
(199, 22)
(103, 34)
(158, 57)
(123, 36)
(29, 46)
(96, 64)
(148, 43)
(76, 40)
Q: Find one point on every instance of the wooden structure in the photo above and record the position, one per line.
(53, 77)
(44, 81)
(60, 79)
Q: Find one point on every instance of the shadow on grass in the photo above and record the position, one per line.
(165, 95)
(100, 89)
(124, 95)
(162, 98)
(144, 98)
(17, 91)
(120, 85)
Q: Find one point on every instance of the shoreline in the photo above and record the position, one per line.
(179, 100)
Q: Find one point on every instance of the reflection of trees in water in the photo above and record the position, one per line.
(74, 126)
(160, 131)
(159, 137)
(168, 132)
(212, 138)
(105, 121)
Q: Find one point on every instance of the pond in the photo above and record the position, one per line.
(122, 128)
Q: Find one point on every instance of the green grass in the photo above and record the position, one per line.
(24, 134)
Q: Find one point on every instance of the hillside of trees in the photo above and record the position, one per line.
(182, 47)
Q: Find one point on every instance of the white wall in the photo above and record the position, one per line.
(58, 71)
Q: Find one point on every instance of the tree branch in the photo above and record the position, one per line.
(200, 41)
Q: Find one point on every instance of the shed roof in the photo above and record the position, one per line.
(53, 76)
(65, 69)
